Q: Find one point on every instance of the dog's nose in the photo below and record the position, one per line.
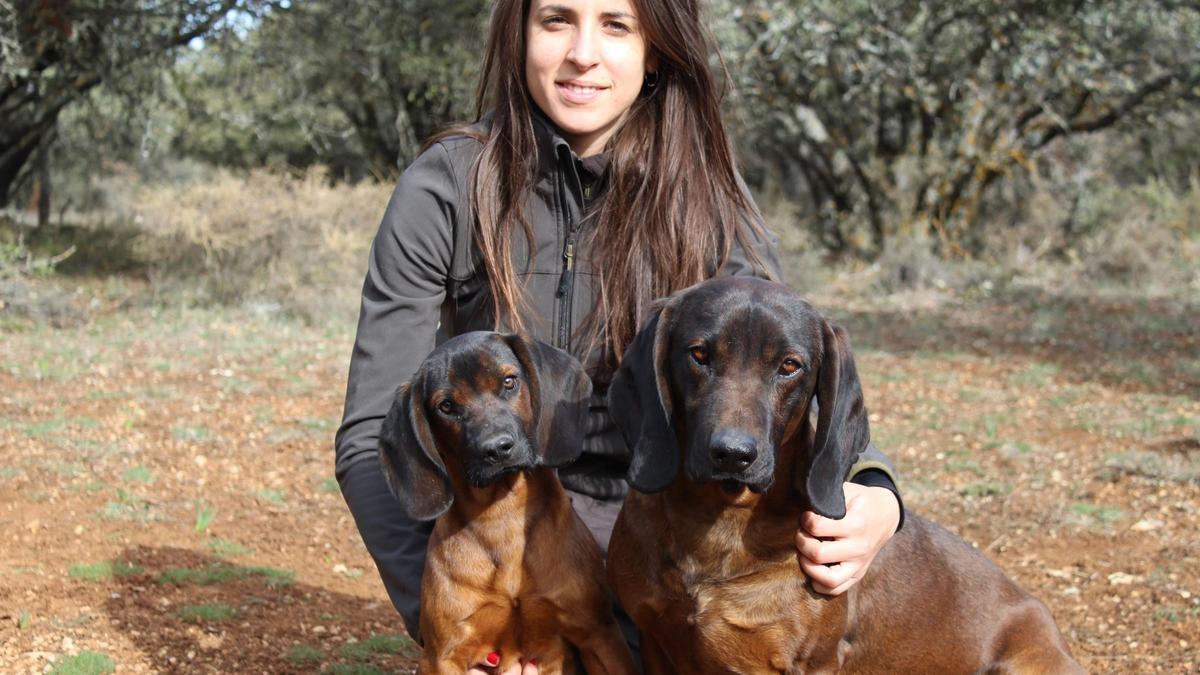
(497, 448)
(733, 451)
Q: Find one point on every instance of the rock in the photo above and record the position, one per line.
(1122, 579)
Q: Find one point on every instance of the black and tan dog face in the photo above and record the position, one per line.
(481, 406)
(724, 374)
(738, 373)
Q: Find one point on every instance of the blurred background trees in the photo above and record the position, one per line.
(869, 120)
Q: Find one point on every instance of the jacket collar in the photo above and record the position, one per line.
(554, 150)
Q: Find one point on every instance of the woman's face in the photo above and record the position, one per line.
(584, 66)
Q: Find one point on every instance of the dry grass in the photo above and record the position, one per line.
(294, 242)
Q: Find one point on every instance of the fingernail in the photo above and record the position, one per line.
(533, 662)
(493, 659)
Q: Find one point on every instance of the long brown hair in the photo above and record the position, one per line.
(673, 207)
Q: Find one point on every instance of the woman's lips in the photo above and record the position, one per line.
(578, 93)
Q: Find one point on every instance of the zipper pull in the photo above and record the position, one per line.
(565, 279)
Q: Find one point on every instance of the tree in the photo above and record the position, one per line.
(53, 52)
(895, 115)
(357, 85)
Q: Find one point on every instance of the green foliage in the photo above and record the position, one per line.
(281, 94)
(224, 548)
(305, 655)
(54, 54)
(104, 571)
(84, 663)
(210, 613)
(895, 117)
(205, 513)
(378, 644)
(219, 573)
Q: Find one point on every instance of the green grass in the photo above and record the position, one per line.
(968, 465)
(199, 434)
(352, 669)
(205, 513)
(103, 571)
(24, 620)
(378, 644)
(1034, 375)
(130, 506)
(276, 497)
(224, 548)
(984, 489)
(305, 655)
(138, 474)
(1174, 468)
(330, 485)
(210, 613)
(84, 663)
(1100, 512)
(219, 573)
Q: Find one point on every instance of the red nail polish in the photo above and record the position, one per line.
(533, 662)
(493, 659)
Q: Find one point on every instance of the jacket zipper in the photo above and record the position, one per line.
(566, 281)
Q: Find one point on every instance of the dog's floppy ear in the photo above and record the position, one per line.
(639, 399)
(558, 391)
(409, 457)
(842, 430)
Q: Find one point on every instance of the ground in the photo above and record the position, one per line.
(167, 502)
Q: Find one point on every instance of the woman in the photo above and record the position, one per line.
(601, 179)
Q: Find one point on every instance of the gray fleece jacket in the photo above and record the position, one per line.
(424, 284)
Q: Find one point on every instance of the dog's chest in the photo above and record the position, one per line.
(754, 623)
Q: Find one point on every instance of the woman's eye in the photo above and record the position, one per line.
(618, 27)
(554, 20)
(446, 407)
(510, 381)
(789, 367)
(699, 354)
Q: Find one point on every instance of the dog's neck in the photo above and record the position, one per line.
(708, 522)
(531, 491)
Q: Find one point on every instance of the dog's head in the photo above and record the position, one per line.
(722, 375)
(485, 405)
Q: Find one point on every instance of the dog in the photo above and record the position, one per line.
(512, 573)
(714, 398)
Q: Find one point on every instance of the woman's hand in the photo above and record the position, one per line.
(835, 554)
(529, 668)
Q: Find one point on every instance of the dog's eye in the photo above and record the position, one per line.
(790, 367)
(510, 381)
(699, 354)
(446, 407)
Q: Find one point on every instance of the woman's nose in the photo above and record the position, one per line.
(584, 50)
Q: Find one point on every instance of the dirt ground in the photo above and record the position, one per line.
(167, 501)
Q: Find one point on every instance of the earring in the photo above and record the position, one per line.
(651, 80)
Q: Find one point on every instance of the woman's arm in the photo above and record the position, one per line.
(402, 297)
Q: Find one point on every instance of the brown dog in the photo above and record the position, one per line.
(511, 569)
(714, 396)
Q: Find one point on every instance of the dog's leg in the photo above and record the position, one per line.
(605, 653)
(654, 659)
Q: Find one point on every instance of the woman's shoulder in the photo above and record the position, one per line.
(459, 142)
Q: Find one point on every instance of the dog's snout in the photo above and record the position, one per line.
(498, 447)
(733, 451)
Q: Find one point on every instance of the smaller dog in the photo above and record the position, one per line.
(512, 573)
